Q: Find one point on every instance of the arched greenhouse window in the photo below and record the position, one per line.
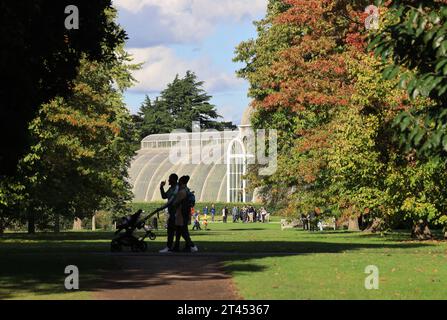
(236, 169)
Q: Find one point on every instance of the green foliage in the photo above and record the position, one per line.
(413, 47)
(257, 56)
(181, 103)
(153, 118)
(40, 59)
(80, 153)
(342, 158)
(81, 150)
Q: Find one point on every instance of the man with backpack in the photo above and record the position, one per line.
(184, 202)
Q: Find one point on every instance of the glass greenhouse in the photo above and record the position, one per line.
(221, 179)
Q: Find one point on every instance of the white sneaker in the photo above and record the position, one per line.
(165, 250)
(194, 249)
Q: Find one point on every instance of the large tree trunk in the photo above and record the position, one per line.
(57, 223)
(77, 224)
(421, 231)
(353, 224)
(31, 223)
(94, 223)
(378, 225)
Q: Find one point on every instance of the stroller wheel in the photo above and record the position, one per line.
(115, 247)
(139, 247)
(152, 236)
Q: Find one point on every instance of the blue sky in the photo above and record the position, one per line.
(172, 36)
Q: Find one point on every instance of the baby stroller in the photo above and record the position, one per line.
(125, 233)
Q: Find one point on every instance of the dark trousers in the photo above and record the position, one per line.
(171, 232)
(197, 226)
(183, 231)
(305, 224)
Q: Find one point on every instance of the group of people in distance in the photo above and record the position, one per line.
(246, 214)
(313, 221)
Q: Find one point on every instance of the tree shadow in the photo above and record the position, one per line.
(117, 276)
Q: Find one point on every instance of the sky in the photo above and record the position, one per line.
(173, 36)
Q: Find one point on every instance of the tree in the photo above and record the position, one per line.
(181, 103)
(258, 55)
(40, 59)
(412, 45)
(370, 174)
(80, 149)
(300, 86)
(154, 118)
(334, 113)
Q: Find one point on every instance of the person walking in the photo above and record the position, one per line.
(235, 214)
(263, 214)
(182, 215)
(196, 221)
(170, 196)
(213, 213)
(224, 214)
(305, 222)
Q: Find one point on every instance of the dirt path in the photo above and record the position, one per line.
(179, 277)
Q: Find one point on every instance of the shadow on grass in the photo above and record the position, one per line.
(115, 277)
(33, 271)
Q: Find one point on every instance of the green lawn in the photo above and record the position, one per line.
(265, 262)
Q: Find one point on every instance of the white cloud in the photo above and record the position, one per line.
(182, 21)
(205, 9)
(161, 65)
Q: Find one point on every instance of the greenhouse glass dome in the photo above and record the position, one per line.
(215, 161)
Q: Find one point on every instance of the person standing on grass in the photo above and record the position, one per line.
(213, 213)
(224, 214)
(182, 216)
(235, 213)
(263, 214)
(170, 195)
(197, 221)
(312, 221)
(305, 222)
(205, 211)
(251, 213)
